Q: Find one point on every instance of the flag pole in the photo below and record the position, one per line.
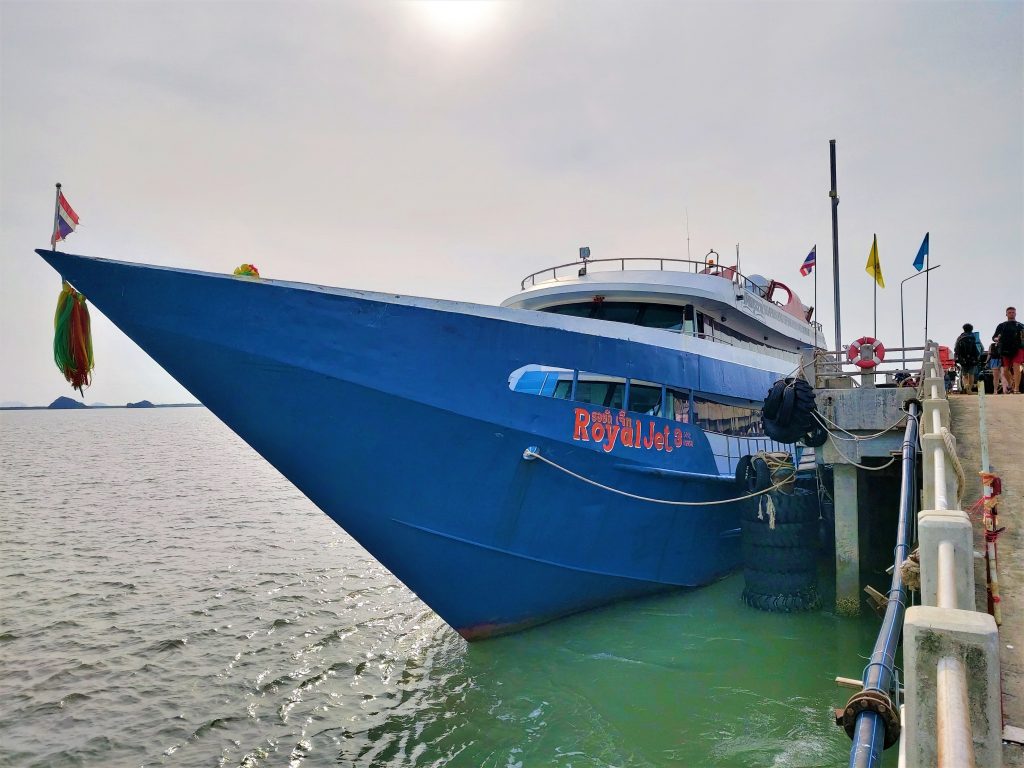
(874, 267)
(814, 317)
(927, 277)
(56, 214)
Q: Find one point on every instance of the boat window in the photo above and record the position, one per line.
(537, 379)
(644, 397)
(665, 316)
(573, 310)
(689, 324)
(662, 316)
(726, 419)
(617, 311)
(594, 388)
(677, 405)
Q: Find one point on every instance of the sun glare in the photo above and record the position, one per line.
(461, 20)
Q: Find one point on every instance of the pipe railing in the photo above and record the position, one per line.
(952, 719)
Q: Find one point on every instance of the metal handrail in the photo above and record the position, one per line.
(879, 675)
(733, 276)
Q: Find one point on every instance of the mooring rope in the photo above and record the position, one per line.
(961, 479)
(854, 463)
(529, 453)
(852, 437)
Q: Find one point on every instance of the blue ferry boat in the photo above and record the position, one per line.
(416, 423)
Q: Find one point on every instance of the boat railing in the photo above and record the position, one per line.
(673, 265)
(663, 265)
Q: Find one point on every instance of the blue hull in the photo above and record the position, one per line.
(395, 417)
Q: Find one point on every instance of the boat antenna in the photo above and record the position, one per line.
(737, 270)
(688, 234)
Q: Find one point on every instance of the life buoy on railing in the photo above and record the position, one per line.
(866, 352)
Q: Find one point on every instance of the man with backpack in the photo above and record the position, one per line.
(1010, 337)
(967, 356)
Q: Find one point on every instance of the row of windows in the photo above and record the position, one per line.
(641, 397)
(684, 319)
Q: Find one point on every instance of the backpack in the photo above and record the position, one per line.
(966, 350)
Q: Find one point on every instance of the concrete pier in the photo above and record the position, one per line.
(861, 412)
(1005, 428)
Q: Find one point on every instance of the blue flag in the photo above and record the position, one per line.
(922, 252)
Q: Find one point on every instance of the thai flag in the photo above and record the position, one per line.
(65, 222)
(809, 262)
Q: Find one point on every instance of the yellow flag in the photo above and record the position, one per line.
(874, 267)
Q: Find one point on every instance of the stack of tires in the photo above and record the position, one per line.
(780, 564)
(788, 414)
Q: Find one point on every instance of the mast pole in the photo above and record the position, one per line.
(835, 242)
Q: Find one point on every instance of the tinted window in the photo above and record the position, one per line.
(617, 312)
(727, 419)
(645, 398)
(661, 316)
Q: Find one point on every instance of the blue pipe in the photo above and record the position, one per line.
(869, 729)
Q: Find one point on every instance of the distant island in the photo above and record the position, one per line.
(67, 402)
(70, 403)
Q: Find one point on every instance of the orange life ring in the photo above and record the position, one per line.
(866, 352)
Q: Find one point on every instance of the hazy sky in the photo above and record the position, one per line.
(447, 149)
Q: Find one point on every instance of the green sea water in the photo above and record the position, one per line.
(169, 599)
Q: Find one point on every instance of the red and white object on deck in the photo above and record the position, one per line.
(866, 352)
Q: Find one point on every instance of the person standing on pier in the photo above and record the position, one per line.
(966, 352)
(1010, 337)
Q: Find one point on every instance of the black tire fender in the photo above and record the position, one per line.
(758, 533)
(787, 407)
(770, 409)
(742, 469)
(816, 438)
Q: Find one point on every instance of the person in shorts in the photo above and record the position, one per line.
(1009, 336)
(995, 367)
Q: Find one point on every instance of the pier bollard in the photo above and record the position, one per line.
(930, 634)
(928, 445)
(933, 527)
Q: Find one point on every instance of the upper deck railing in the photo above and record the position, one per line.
(693, 267)
(663, 265)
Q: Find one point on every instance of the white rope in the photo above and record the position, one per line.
(531, 454)
(854, 463)
(819, 416)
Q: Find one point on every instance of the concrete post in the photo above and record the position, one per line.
(928, 445)
(934, 526)
(939, 383)
(930, 634)
(927, 419)
(847, 540)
